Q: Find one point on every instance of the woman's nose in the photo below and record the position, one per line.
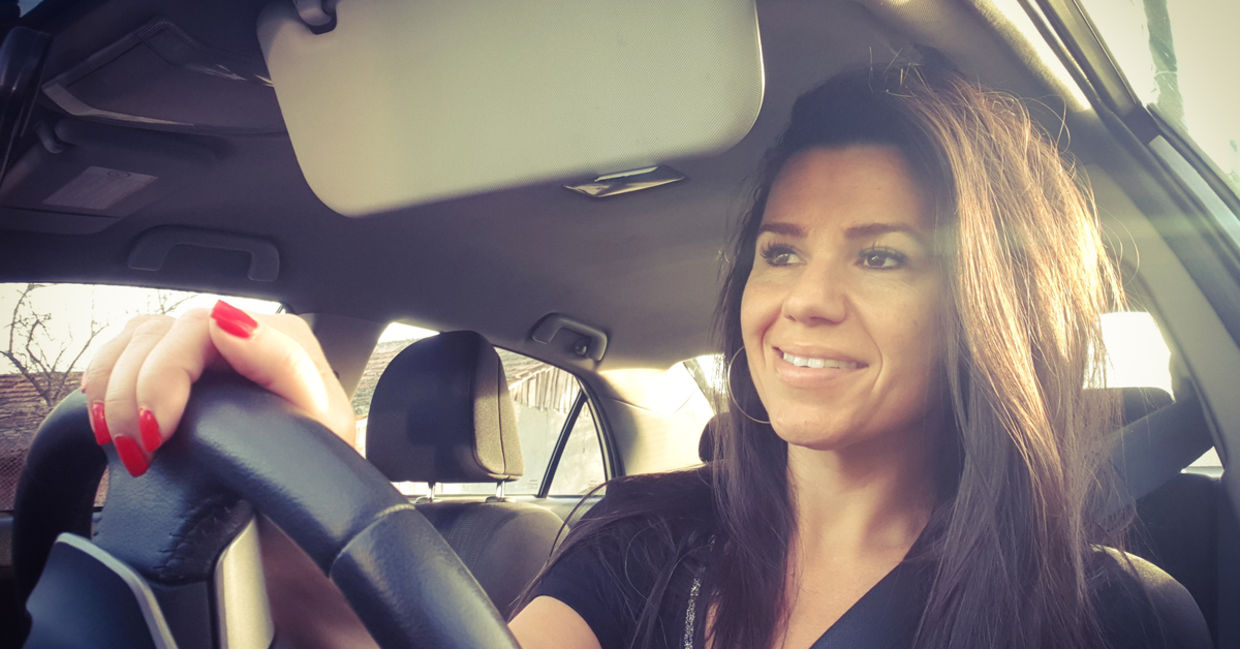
(818, 296)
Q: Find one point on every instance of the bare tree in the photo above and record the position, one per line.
(47, 361)
(42, 359)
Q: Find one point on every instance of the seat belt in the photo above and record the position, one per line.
(1155, 448)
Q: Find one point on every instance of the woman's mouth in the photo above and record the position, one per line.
(818, 362)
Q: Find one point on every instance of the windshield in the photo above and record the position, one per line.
(1179, 59)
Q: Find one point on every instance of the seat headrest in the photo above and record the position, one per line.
(441, 413)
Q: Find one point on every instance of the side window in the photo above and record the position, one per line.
(1138, 357)
(1137, 354)
(48, 333)
(580, 468)
(543, 398)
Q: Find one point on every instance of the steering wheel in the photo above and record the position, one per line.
(239, 446)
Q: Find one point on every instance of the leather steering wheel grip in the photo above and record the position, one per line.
(239, 446)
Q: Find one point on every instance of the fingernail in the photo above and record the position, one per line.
(131, 456)
(148, 428)
(99, 423)
(233, 320)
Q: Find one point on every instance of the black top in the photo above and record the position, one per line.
(613, 578)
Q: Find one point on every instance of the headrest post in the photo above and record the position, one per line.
(499, 490)
(431, 489)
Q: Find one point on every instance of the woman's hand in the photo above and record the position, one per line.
(138, 383)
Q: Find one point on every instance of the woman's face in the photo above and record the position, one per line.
(841, 312)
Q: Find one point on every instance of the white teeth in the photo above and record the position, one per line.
(819, 363)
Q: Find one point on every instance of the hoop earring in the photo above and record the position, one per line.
(732, 392)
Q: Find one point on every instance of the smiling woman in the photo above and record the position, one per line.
(842, 297)
(917, 291)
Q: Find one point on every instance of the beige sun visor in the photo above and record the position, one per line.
(411, 102)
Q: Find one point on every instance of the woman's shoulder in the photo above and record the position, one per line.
(1139, 605)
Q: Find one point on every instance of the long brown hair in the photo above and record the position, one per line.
(1028, 280)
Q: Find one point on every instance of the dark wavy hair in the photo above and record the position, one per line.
(1023, 473)
(1024, 484)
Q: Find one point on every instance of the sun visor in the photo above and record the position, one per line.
(393, 104)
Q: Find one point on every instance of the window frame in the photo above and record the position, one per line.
(570, 423)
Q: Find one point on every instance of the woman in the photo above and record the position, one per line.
(911, 313)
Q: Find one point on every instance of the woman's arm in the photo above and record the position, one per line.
(312, 613)
(548, 623)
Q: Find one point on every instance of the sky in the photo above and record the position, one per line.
(1204, 35)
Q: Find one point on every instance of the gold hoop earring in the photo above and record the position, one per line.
(732, 392)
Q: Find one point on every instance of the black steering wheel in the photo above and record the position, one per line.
(239, 446)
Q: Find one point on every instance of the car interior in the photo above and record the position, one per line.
(555, 182)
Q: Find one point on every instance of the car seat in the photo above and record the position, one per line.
(440, 414)
(1185, 522)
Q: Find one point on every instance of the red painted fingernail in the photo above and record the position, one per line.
(99, 423)
(148, 428)
(131, 456)
(233, 320)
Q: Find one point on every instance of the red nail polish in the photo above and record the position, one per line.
(131, 456)
(148, 429)
(233, 320)
(99, 423)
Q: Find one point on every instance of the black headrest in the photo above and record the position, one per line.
(441, 413)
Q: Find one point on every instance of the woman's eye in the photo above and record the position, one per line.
(882, 259)
(777, 255)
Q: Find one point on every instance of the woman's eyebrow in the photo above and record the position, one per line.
(870, 230)
(786, 229)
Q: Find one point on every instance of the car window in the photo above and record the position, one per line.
(580, 467)
(1169, 53)
(48, 333)
(543, 397)
(1138, 357)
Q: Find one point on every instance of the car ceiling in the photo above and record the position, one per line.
(642, 267)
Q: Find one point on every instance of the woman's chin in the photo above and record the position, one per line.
(809, 434)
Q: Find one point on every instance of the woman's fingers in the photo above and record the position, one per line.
(169, 371)
(120, 397)
(139, 382)
(96, 377)
(280, 354)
